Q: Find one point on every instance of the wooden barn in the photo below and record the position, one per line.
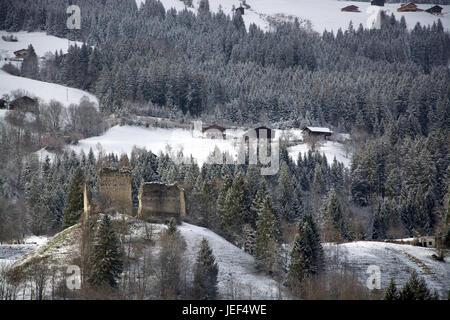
(21, 53)
(214, 131)
(351, 8)
(318, 132)
(435, 10)
(240, 10)
(379, 3)
(24, 104)
(261, 132)
(409, 7)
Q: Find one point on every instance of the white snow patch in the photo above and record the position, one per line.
(395, 261)
(236, 267)
(323, 14)
(43, 90)
(331, 149)
(42, 43)
(122, 139)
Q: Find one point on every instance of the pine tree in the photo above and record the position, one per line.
(416, 289)
(306, 255)
(391, 291)
(221, 205)
(30, 68)
(286, 192)
(334, 217)
(106, 259)
(74, 202)
(266, 238)
(235, 207)
(172, 227)
(205, 273)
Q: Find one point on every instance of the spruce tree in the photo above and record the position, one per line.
(266, 237)
(334, 217)
(30, 68)
(391, 291)
(106, 259)
(306, 254)
(205, 273)
(74, 202)
(172, 227)
(416, 289)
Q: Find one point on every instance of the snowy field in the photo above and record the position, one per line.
(122, 139)
(323, 14)
(395, 261)
(42, 90)
(11, 252)
(236, 267)
(42, 44)
(331, 149)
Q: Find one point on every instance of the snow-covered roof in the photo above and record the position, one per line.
(319, 129)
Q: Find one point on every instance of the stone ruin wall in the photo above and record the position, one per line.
(161, 200)
(114, 190)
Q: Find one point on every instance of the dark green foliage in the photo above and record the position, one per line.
(205, 273)
(172, 227)
(74, 201)
(30, 68)
(106, 262)
(416, 289)
(391, 292)
(306, 255)
(334, 216)
(266, 237)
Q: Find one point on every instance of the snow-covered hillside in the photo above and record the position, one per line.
(395, 261)
(237, 278)
(121, 139)
(43, 90)
(323, 14)
(11, 252)
(42, 43)
(236, 268)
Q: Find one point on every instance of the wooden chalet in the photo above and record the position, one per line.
(351, 8)
(24, 104)
(21, 53)
(318, 132)
(435, 10)
(379, 3)
(213, 131)
(409, 7)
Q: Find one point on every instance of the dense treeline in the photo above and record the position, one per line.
(150, 57)
(390, 88)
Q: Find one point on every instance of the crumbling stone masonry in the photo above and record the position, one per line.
(114, 190)
(161, 201)
(87, 199)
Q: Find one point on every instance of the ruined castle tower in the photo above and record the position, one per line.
(114, 190)
(87, 199)
(161, 201)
